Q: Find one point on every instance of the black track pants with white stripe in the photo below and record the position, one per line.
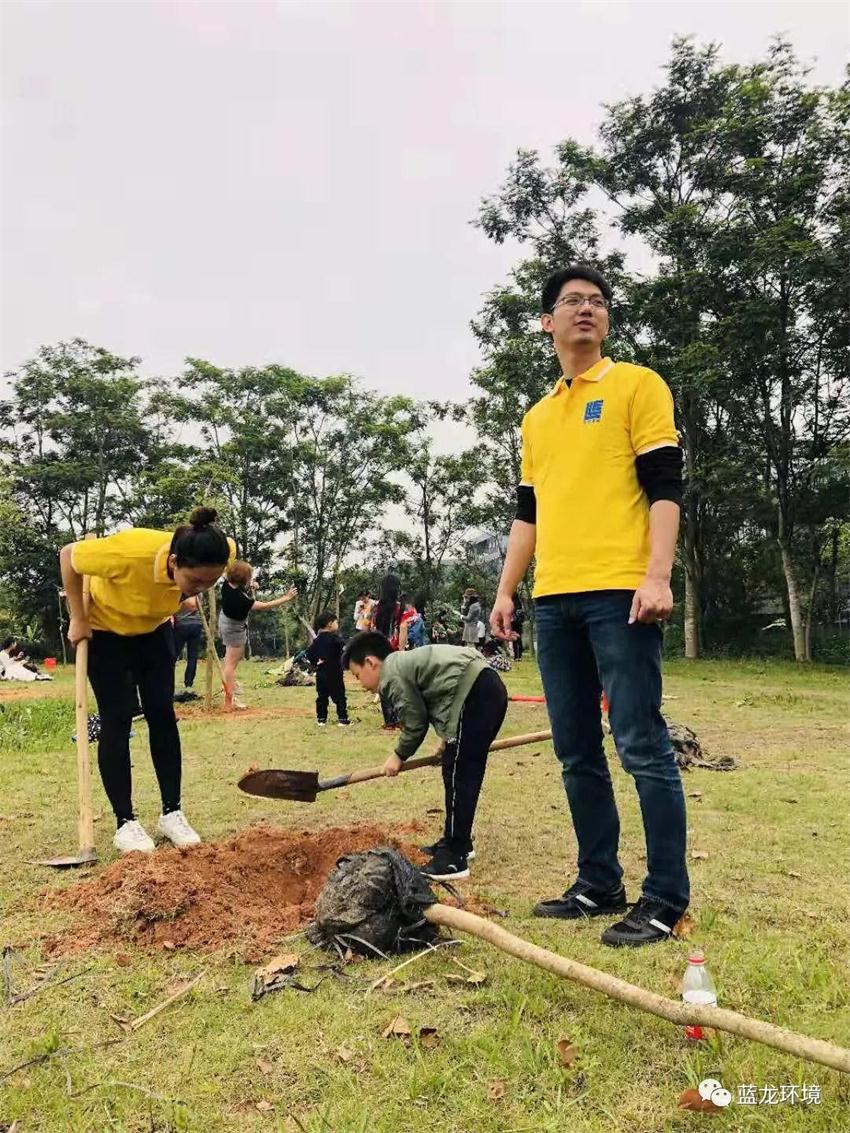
(465, 761)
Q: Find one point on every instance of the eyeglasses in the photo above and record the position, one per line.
(574, 300)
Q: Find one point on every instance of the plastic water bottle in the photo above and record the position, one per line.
(698, 988)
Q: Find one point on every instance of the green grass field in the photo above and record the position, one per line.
(769, 902)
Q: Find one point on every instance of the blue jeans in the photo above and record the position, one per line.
(585, 644)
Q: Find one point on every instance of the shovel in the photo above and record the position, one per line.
(86, 854)
(304, 786)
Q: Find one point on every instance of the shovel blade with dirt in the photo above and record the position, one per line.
(305, 786)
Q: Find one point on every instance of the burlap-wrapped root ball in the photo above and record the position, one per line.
(373, 903)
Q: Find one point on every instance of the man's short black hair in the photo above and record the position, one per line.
(323, 620)
(369, 643)
(552, 286)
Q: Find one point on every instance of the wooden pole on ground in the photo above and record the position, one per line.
(682, 1014)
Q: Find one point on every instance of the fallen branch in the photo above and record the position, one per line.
(682, 1014)
(59, 1053)
(410, 960)
(154, 1011)
(43, 987)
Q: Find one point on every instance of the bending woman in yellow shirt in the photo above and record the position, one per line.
(138, 580)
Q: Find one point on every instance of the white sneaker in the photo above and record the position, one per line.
(176, 829)
(133, 836)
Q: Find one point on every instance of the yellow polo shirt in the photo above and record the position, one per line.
(131, 592)
(579, 445)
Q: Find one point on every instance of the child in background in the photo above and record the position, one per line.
(325, 652)
(455, 691)
(363, 608)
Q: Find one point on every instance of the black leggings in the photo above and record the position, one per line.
(465, 761)
(330, 687)
(116, 663)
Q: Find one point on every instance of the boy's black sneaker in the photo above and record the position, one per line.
(446, 866)
(646, 922)
(582, 900)
(442, 844)
(322, 723)
(343, 723)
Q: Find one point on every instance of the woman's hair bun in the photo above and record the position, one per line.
(202, 517)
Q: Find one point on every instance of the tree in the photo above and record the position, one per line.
(440, 503)
(350, 446)
(246, 421)
(786, 277)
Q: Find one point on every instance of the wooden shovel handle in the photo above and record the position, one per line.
(81, 667)
(367, 773)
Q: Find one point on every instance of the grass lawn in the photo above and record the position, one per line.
(769, 902)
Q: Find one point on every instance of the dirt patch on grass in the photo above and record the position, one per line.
(246, 892)
(219, 712)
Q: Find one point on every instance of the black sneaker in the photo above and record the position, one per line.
(322, 723)
(442, 844)
(446, 866)
(647, 922)
(582, 900)
(343, 723)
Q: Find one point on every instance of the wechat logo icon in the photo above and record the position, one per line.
(710, 1090)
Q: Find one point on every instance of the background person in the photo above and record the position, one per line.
(188, 634)
(325, 652)
(237, 602)
(138, 579)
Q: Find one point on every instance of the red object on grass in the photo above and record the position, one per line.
(529, 699)
(50, 662)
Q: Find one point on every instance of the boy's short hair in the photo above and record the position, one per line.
(369, 643)
(323, 620)
(552, 286)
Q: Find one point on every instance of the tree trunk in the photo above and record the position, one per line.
(810, 612)
(692, 595)
(691, 620)
(794, 609)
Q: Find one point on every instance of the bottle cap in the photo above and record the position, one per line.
(697, 957)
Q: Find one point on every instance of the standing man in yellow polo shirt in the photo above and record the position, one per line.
(139, 578)
(599, 507)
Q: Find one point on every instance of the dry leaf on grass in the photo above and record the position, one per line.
(684, 927)
(796, 876)
(122, 960)
(699, 855)
(428, 1037)
(397, 1028)
(691, 1099)
(169, 945)
(434, 810)
(496, 1090)
(265, 1067)
(280, 965)
(474, 979)
(566, 1052)
(343, 1054)
(694, 794)
(263, 1106)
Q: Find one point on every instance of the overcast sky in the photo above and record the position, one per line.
(250, 182)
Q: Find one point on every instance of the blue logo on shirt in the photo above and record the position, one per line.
(593, 411)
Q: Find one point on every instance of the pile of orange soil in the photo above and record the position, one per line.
(246, 892)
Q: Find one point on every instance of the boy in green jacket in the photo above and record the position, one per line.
(465, 701)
